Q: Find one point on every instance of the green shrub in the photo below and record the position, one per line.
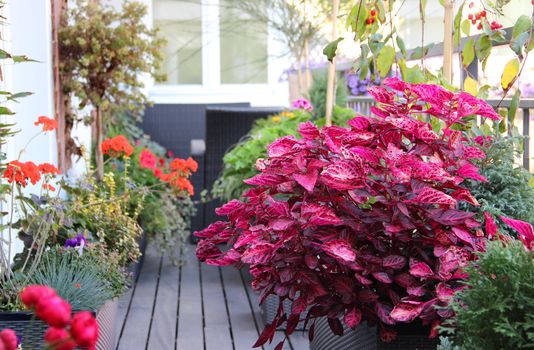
(496, 309)
(318, 94)
(240, 160)
(507, 191)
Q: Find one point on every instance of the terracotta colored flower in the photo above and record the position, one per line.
(147, 159)
(47, 168)
(9, 339)
(22, 172)
(84, 329)
(59, 339)
(176, 180)
(191, 164)
(31, 295)
(185, 166)
(117, 146)
(54, 311)
(48, 124)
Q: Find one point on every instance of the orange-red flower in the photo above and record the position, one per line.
(185, 166)
(176, 180)
(147, 159)
(22, 172)
(117, 146)
(48, 124)
(47, 168)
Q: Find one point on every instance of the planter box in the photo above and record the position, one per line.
(410, 337)
(32, 332)
(269, 308)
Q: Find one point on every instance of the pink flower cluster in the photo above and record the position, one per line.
(361, 223)
(64, 332)
(302, 103)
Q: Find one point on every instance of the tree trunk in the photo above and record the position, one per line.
(447, 41)
(99, 137)
(331, 86)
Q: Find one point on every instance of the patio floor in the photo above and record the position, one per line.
(192, 307)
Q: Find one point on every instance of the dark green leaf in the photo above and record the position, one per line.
(385, 59)
(522, 25)
(331, 48)
(468, 52)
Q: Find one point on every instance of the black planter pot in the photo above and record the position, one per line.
(31, 331)
(135, 267)
(410, 337)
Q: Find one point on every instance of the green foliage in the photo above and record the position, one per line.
(495, 310)
(240, 160)
(446, 344)
(318, 94)
(86, 281)
(103, 53)
(507, 191)
(107, 211)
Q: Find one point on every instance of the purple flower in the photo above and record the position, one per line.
(78, 242)
(302, 103)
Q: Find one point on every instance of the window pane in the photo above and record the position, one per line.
(243, 47)
(180, 23)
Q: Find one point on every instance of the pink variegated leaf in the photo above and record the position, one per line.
(383, 312)
(359, 123)
(472, 152)
(429, 195)
(465, 196)
(420, 269)
(396, 262)
(525, 230)
(308, 130)
(353, 317)
(258, 254)
(339, 249)
(444, 293)
(470, 171)
(264, 180)
(490, 225)
(307, 180)
(281, 146)
(382, 277)
(464, 235)
(406, 311)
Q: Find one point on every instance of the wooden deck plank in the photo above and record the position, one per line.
(163, 330)
(299, 340)
(241, 315)
(216, 327)
(190, 334)
(136, 327)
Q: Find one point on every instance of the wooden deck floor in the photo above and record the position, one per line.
(192, 307)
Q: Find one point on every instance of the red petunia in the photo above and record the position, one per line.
(117, 146)
(22, 172)
(48, 124)
(147, 159)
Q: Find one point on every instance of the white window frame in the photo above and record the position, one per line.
(211, 90)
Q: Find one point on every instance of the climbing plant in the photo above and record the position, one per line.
(103, 53)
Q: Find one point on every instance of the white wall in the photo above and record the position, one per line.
(28, 32)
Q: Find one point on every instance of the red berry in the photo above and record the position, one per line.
(483, 13)
(478, 16)
(479, 27)
(473, 22)
(373, 12)
(471, 15)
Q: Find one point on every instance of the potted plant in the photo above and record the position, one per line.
(361, 223)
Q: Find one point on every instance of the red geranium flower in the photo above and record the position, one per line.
(47, 168)
(31, 295)
(117, 146)
(176, 180)
(147, 159)
(22, 172)
(185, 166)
(59, 339)
(54, 311)
(49, 187)
(8, 339)
(84, 329)
(48, 124)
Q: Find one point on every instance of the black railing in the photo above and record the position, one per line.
(522, 120)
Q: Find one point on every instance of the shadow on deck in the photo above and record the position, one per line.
(192, 307)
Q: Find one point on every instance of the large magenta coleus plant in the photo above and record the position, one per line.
(361, 223)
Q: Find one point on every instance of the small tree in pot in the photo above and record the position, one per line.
(103, 53)
(361, 223)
